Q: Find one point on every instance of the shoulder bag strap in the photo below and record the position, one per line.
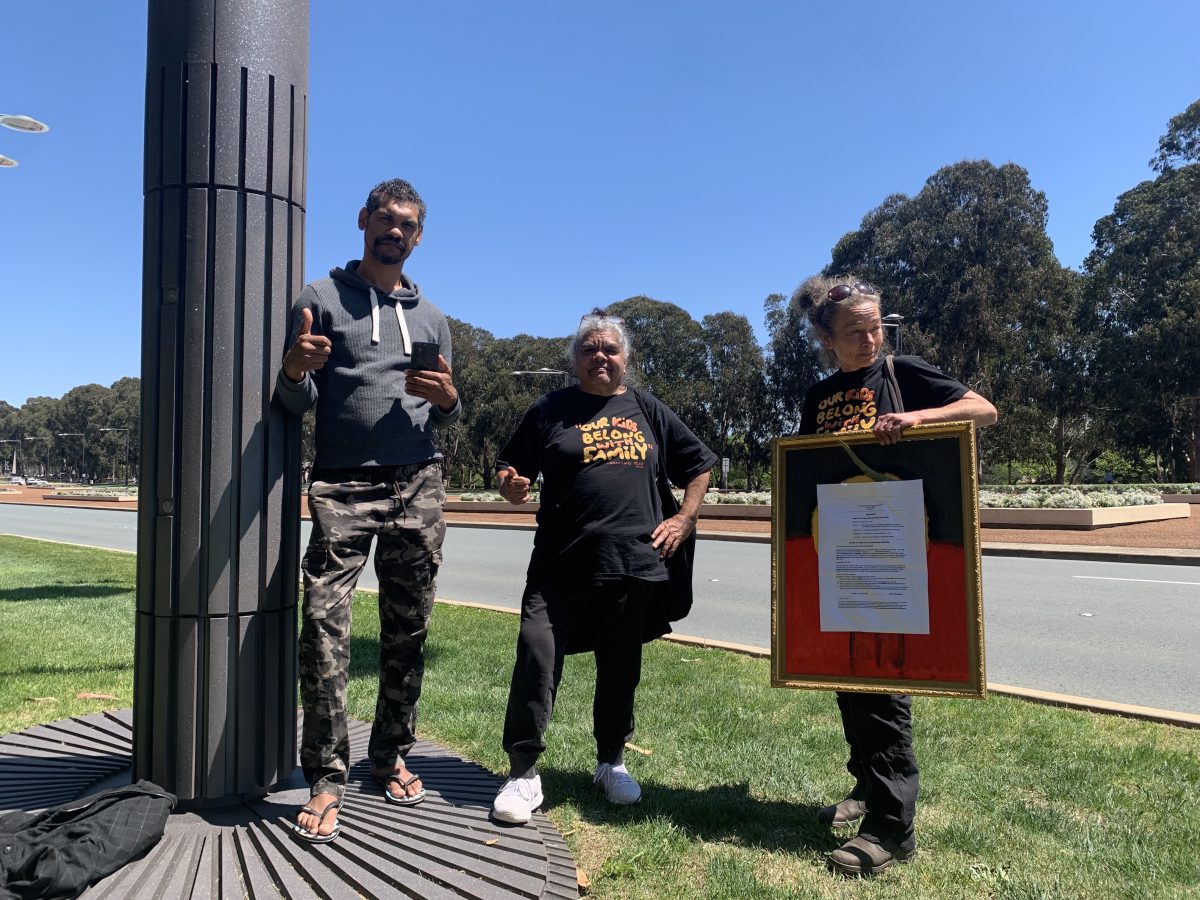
(893, 385)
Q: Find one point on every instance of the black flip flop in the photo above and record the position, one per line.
(315, 837)
(385, 781)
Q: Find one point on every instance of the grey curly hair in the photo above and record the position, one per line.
(813, 299)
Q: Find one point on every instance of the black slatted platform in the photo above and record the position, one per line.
(439, 849)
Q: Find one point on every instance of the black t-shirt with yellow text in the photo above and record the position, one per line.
(599, 500)
(853, 401)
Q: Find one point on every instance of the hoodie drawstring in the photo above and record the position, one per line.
(405, 337)
(374, 316)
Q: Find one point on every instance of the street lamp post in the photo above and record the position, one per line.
(82, 451)
(126, 430)
(892, 323)
(214, 678)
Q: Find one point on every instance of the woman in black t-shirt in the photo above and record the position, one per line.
(601, 543)
(845, 315)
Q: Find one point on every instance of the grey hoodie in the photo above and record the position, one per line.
(364, 417)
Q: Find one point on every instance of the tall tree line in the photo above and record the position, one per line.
(1094, 370)
(91, 431)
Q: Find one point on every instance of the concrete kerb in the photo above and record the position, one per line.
(1145, 555)
(1049, 698)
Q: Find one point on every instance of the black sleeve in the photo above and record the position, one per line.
(924, 386)
(686, 456)
(524, 449)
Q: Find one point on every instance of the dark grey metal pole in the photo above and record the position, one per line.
(218, 512)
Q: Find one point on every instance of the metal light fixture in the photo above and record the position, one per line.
(892, 321)
(23, 123)
(20, 123)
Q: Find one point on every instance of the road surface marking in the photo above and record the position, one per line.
(1139, 580)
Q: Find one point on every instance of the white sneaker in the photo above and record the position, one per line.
(517, 800)
(619, 786)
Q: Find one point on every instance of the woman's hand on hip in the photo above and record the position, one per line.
(670, 535)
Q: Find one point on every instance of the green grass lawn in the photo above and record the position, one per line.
(1018, 800)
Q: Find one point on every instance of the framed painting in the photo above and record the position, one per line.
(875, 567)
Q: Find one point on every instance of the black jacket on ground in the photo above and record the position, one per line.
(59, 852)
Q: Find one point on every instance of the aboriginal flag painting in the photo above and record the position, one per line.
(946, 660)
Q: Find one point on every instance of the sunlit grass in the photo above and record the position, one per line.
(1018, 800)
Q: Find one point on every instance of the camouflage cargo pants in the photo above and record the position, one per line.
(400, 507)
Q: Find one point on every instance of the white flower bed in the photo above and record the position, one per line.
(744, 498)
(1049, 497)
(1066, 498)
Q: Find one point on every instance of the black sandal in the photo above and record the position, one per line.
(315, 837)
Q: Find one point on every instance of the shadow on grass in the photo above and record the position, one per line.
(364, 656)
(721, 813)
(64, 592)
(71, 670)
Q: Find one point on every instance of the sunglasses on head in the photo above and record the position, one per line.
(841, 291)
(616, 320)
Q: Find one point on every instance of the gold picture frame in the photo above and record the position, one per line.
(946, 662)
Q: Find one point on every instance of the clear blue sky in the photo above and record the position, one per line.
(573, 154)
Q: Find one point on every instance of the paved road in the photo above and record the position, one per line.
(1111, 631)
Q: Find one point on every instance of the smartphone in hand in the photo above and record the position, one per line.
(424, 356)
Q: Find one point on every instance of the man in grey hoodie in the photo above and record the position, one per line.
(377, 475)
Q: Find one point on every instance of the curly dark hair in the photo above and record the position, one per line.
(397, 190)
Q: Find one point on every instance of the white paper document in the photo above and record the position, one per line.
(871, 557)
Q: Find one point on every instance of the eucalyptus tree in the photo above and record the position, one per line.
(8, 420)
(1145, 283)
(792, 363)
(494, 398)
(471, 377)
(669, 356)
(968, 263)
(736, 385)
(508, 395)
(1056, 411)
(964, 261)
